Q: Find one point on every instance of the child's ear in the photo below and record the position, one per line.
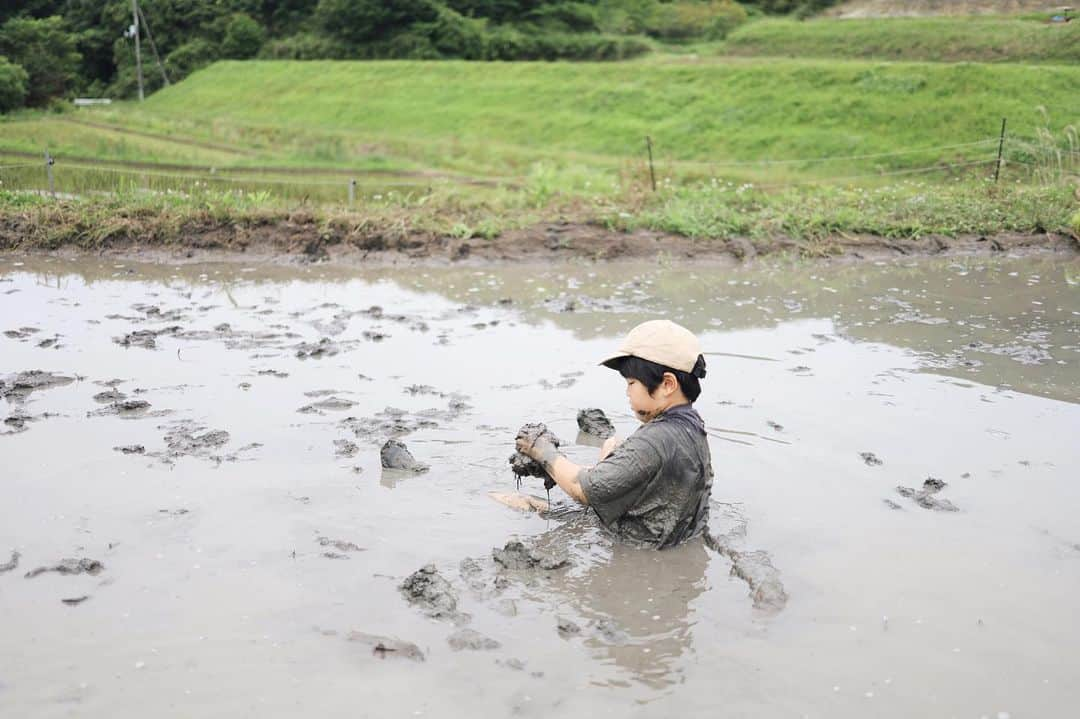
(670, 382)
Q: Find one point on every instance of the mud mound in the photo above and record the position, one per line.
(594, 422)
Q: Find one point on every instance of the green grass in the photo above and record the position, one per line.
(566, 140)
(939, 39)
(503, 119)
(809, 217)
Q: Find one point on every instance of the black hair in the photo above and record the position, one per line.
(651, 374)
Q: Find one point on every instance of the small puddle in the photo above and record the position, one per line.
(211, 435)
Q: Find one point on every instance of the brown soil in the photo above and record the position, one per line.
(304, 238)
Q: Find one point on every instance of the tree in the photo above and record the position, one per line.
(362, 21)
(243, 37)
(13, 81)
(46, 51)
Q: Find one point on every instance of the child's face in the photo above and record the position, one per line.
(644, 405)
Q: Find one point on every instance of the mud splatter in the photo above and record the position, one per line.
(335, 404)
(387, 647)
(11, 563)
(338, 544)
(472, 640)
(926, 498)
(18, 387)
(345, 448)
(871, 459)
(128, 408)
(70, 566)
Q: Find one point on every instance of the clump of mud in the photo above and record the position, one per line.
(339, 544)
(146, 339)
(926, 498)
(395, 455)
(325, 347)
(70, 566)
(754, 567)
(522, 464)
(387, 647)
(871, 459)
(427, 589)
(335, 404)
(594, 422)
(11, 563)
(394, 422)
(472, 640)
(18, 387)
(345, 448)
(128, 408)
(516, 555)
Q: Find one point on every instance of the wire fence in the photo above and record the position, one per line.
(81, 177)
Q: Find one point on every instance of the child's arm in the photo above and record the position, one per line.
(559, 468)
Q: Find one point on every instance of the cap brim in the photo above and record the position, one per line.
(612, 358)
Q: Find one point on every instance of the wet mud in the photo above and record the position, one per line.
(471, 640)
(11, 564)
(754, 567)
(971, 371)
(18, 387)
(394, 455)
(595, 423)
(430, 592)
(927, 496)
(387, 647)
(517, 555)
(69, 566)
(521, 464)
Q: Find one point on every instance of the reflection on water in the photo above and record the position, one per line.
(963, 370)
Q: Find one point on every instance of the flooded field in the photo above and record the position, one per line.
(208, 444)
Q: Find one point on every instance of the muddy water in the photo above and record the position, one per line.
(249, 529)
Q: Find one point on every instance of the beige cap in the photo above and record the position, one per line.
(662, 342)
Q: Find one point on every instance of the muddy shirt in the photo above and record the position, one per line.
(654, 488)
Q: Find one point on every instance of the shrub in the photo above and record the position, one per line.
(305, 46)
(454, 35)
(570, 16)
(243, 37)
(13, 81)
(685, 19)
(190, 57)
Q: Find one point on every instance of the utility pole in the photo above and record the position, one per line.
(138, 52)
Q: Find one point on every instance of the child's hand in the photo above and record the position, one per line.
(609, 446)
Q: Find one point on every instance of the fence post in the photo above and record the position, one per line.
(652, 173)
(49, 161)
(1001, 148)
(352, 191)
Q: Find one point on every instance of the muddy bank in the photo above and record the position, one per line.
(305, 237)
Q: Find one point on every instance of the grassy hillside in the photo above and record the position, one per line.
(499, 119)
(940, 39)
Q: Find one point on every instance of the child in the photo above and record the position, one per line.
(653, 488)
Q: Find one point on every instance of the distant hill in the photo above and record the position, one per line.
(915, 8)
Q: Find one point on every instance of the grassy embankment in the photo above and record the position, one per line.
(939, 39)
(566, 140)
